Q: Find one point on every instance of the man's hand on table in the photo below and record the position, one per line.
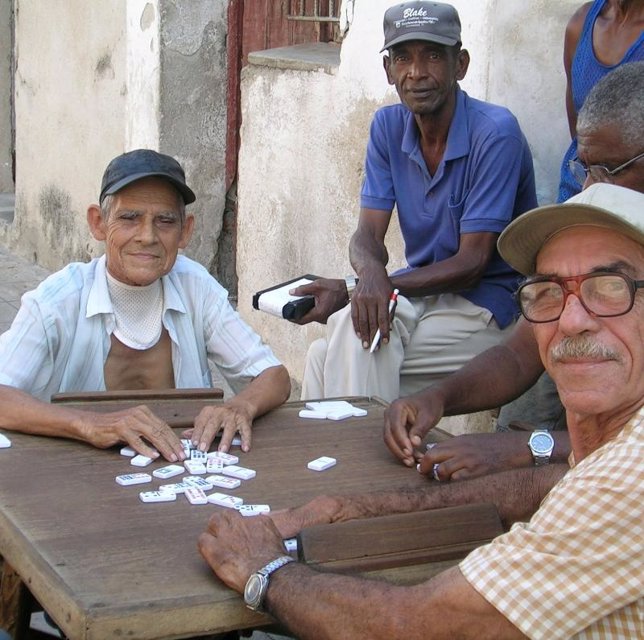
(235, 546)
(330, 296)
(229, 418)
(476, 454)
(407, 422)
(138, 427)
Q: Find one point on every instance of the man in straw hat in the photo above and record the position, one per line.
(575, 568)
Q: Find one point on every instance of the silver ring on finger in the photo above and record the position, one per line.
(435, 472)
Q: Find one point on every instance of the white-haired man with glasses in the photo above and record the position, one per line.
(610, 150)
(576, 568)
(612, 118)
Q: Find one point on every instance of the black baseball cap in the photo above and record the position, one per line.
(431, 21)
(144, 163)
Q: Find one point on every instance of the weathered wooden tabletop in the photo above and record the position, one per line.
(106, 565)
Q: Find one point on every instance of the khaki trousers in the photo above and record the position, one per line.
(430, 338)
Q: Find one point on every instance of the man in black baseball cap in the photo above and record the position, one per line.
(141, 316)
(572, 570)
(457, 171)
(144, 163)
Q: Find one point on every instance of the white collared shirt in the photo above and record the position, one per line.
(60, 338)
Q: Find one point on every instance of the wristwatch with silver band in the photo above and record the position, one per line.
(541, 445)
(257, 583)
(350, 281)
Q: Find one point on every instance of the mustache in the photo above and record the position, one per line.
(582, 347)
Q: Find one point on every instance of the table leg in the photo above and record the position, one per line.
(15, 602)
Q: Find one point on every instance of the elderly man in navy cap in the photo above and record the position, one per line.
(575, 569)
(458, 171)
(139, 317)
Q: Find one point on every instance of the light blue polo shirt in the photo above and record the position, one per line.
(483, 182)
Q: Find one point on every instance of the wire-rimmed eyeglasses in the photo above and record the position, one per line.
(598, 172)
(602, 294)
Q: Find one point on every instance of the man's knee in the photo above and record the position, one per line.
(317, 353)
(313, 379)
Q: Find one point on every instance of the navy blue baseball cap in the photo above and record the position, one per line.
(144, 163)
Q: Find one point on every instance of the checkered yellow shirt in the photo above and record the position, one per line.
(576, 570)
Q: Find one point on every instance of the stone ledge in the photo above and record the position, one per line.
(299, 57)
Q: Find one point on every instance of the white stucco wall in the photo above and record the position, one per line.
(6, 181)
(193, 112)
(95, 79)
(127, 73)
(143, 75)
(69, 108)
(304, 134)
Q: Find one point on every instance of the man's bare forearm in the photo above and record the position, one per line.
(22, 412)
(493, 378)
(457, 273)
(137, 426)
(267, 391)
(322, 606)
(315, 605)
(516, 493)
(367, 252)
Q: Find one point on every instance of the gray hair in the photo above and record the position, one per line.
(617, 99)
(108, 203)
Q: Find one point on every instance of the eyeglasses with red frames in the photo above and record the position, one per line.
(603, 294)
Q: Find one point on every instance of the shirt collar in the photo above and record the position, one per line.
(635, 422)
(171, 296)
(458, 138)
(98, 300)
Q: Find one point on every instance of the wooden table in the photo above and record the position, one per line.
(105, 565)
(177, 407)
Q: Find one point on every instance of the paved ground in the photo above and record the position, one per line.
(19, 276)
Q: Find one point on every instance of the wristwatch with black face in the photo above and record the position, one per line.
(257, 584)
(541, 445)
